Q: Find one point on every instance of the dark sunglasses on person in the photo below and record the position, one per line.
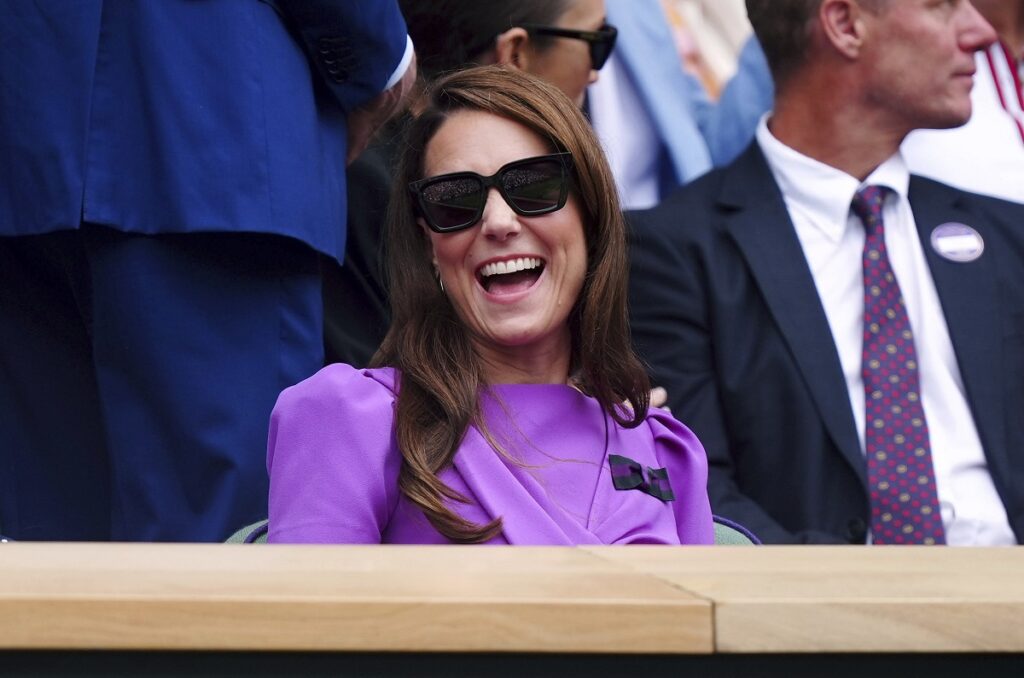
(601, 41)
(531, 187)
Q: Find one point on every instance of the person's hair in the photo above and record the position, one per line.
(452, 34)
(784, 29)
(441, 375)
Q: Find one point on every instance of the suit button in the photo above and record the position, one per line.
(856, 531)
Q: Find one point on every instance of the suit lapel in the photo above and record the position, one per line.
(758, 221)
(968, 294)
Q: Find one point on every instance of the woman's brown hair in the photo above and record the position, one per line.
(441, 376)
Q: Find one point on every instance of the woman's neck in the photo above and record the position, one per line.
(546, 362)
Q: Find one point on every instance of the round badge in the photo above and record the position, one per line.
(957, 242)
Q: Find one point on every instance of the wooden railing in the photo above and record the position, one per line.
(606, 600)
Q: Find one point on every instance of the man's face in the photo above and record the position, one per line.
(919, 58)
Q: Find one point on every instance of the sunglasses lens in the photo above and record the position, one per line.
(601, 49)
(536, 187)
(453, 203)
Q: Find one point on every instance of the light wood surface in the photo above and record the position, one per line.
(511, 599)
(850, 599)
(190, 596)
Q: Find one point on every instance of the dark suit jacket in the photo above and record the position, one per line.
(181, 116)
(725, 311)
(356, 310)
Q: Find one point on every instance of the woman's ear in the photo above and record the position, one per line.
(510, 48)
(429, 242)
(421, 222)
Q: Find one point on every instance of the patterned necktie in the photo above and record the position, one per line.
(901, 479)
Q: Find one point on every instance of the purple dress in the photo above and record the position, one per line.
(334, 463)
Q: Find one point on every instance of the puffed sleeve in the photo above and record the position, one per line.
(332, 459)
(682, 455)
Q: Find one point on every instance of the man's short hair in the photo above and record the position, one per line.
(784, 29)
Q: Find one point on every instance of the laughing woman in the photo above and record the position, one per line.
(508, 406)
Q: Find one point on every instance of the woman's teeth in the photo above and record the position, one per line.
(511, 266)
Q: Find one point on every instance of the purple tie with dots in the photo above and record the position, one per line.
(901, 479)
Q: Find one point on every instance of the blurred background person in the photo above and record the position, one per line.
(709, 36)
(673, 102)
(172, 174)
(506, 405)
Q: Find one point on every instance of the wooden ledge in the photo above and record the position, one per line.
(381, 598)
(849, 599)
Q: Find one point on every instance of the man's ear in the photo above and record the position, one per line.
(843, 23)
(510, 48)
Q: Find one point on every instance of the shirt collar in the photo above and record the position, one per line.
(822, 192)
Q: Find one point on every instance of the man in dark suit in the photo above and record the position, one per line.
(171, 174)
(846, 340)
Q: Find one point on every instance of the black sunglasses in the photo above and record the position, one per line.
(601, 41)
(531, 187)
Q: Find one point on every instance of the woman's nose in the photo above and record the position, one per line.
(499, 220)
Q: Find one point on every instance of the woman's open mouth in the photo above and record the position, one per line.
(511, 276)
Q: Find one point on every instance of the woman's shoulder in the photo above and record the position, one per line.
(331, 457)
(341, 384)
(677, 463)
(338, 398)
(667, 440)
(663, 425)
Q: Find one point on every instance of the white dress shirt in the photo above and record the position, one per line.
(628, 136)
(818, 198)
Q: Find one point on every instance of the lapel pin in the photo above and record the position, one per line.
(957, 242)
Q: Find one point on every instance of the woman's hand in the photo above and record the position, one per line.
(659, 397)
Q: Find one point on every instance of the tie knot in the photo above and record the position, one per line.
(867, 204)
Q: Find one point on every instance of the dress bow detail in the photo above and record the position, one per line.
(630, 475)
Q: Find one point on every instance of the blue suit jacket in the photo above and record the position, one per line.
(178, 116)
(725, 310)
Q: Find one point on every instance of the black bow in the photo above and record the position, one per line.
(629, 475)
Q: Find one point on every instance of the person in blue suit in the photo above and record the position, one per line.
(749, 299)
(171, 174)
(661, 128)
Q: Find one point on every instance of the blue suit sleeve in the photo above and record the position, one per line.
(354, 45)
(728, 127)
